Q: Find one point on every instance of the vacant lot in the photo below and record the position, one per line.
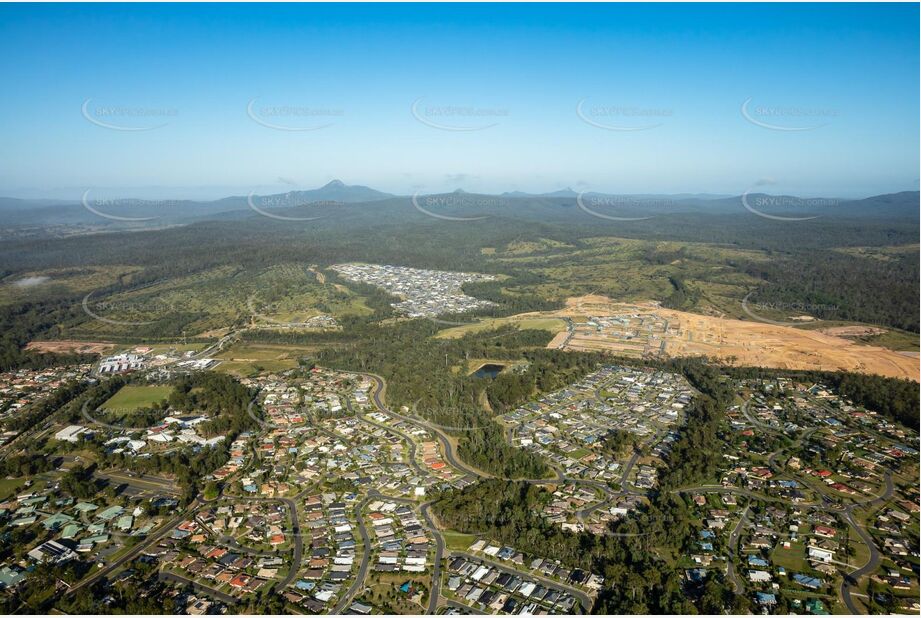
(64, 347)
(246, 359)
(131, 398)
(740, 342)
(554, 325)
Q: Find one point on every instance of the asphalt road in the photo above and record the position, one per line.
(626, 475)
(140, 481)
(439, 556)
(734, 552)
(298, 553)
(447, 448)
(850, 580)
(211, 592)
(359, 581)
(164, 529)
(583, 598)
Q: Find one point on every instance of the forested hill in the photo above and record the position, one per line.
(676, 217)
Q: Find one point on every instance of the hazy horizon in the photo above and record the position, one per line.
(207, 194)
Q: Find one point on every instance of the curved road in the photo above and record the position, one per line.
(439, 555)
(346, 599)
(734, 551)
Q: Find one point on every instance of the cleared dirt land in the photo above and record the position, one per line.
(83, 347)
(648, 329)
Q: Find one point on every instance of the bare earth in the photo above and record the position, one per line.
(61, 347)
(852, 331)
(648, 329)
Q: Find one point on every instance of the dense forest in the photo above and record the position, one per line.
(20, 323)
(832, 285)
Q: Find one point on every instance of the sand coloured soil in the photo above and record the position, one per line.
(65, 347)
(744, 343)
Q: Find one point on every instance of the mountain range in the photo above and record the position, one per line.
(93, 211)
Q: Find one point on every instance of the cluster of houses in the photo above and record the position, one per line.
(398, 538)
(368, 450)
(22, 387)
(232, 572)
(66, 528)
(495, 589)
(376, 457)
(545, 567)
(425, 293)
(791, 546)
(260, 524)
(239, 547)
(239, 456)
(569, 426)
(778, 549)
(330, 552)
(291, 397)
(428, 451)
(866, 446)
(630, 334)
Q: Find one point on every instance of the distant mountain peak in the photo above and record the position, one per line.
(567, 192)
(334, 184)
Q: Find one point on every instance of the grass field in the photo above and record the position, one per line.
(793, 559)
(178, 347)
(247, 359)
(458, 541)
(9, 487)
(553, 325)
(131, 398)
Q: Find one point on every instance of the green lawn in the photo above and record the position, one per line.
(554, 325)
(793, 559)
(458, 541)
(9, 487)
(131, 398)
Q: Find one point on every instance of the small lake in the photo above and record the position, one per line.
(489, 370)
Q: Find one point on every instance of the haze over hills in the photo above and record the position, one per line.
(128, 212)
(338, 191)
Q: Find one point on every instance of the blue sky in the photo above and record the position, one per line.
(832, 93)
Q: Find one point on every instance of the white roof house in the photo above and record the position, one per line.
(70, 433)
